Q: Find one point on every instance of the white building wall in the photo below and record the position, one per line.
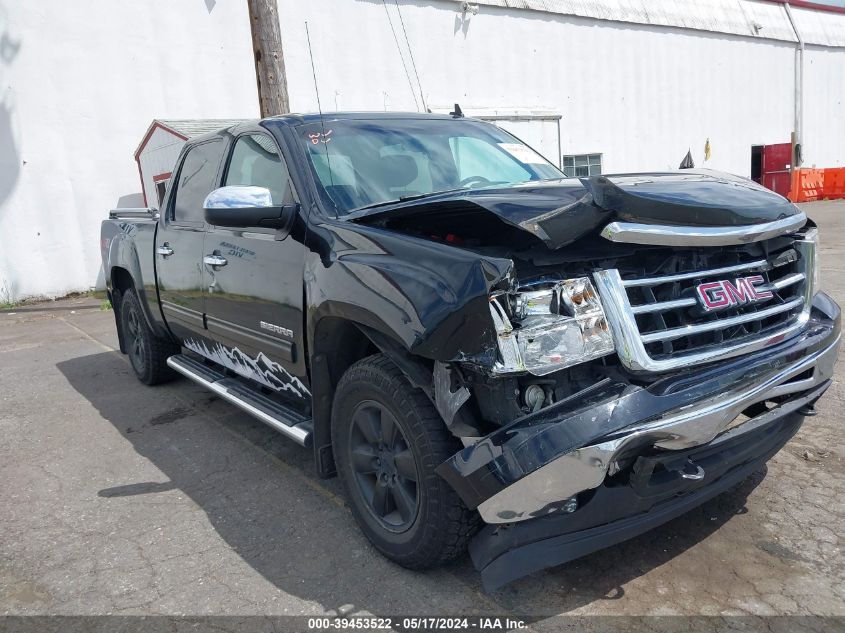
(638, 91)
(639, 81)
(79, 84)
(824, 107)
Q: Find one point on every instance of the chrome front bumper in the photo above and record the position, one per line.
(515, 475)
(587, 467)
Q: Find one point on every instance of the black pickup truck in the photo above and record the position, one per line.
(488, 354)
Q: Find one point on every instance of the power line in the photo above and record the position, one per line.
(399, 49)
(411, 53)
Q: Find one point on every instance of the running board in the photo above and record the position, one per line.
(285, 420)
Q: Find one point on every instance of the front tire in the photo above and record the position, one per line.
(147, 352)
(388, 438)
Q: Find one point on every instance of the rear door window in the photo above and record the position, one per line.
(197, 178)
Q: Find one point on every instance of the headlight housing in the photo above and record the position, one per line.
(557, 326)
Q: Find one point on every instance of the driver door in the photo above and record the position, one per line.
(253, 301)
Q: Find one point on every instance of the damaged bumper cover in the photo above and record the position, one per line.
(531, 467)
(504, 553)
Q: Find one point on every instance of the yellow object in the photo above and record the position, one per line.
(707, 149)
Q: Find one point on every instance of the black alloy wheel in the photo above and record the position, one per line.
(388, 440)
(384, 465)
(148, 352)
(134, 334)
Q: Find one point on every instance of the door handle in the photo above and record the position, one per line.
(215, 260)
(164, 250)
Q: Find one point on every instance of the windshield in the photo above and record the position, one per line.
(361, 163)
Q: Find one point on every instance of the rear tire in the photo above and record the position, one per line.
(147, 352)
(388, 438)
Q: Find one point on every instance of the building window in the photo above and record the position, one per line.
(160, 182)
(161, 187)
(580, 165)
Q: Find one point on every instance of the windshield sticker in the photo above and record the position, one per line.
(320, 137)
(523, 153)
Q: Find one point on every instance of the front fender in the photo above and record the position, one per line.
(431, 298)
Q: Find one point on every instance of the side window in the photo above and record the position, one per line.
(196, 180)
(256, 161)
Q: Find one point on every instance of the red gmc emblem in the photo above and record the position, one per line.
(716, 295)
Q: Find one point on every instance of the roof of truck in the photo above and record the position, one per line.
(314, 117)
(194, 127)
(190, 129)
(187, 129)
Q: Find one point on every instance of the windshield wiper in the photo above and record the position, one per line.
(415, 196)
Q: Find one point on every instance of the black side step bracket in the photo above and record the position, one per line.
(285, 420)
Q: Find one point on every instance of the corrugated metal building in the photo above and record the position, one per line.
(634, 84)
(595, 85)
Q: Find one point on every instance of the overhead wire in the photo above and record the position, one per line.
(411, 53)
(401, 56)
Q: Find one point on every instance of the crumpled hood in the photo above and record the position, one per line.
(689, 198)
(562, 211)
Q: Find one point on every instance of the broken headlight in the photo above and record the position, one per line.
(551, 328)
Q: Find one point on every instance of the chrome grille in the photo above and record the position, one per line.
(659, 324)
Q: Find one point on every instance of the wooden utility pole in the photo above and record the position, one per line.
(269, 58)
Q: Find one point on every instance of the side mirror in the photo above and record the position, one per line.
(246, 206)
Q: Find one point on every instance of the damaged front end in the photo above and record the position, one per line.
(604, 463)
(598, 432)
(617, 395)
